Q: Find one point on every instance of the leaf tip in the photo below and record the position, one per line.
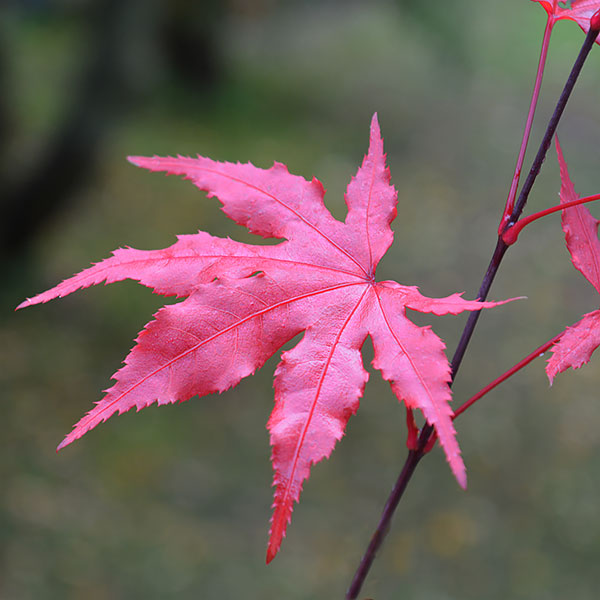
(375, 129)
(24, 304)
(271, 553)
(64, 443)
(559, 151)
(457, 466)
(276, 534)
(135, 160)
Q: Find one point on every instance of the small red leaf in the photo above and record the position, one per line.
(580, 227)
(575, 347)
(578, 342)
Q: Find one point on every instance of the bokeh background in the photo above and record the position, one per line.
(174, 502)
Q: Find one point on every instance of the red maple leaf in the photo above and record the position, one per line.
(580, 11)
(579, 341)
(244, 302)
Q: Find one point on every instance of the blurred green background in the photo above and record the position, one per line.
(174, 502)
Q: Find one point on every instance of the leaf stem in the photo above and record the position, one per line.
(511, 235)
(514, 369)
(510, 201)
(493, 384)
(414, 456)
(552, 125)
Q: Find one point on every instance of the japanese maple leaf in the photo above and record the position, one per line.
(580, 11)
(579, 341)
(243, 302)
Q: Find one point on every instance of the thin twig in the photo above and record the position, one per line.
(512, 194)
(507, 374)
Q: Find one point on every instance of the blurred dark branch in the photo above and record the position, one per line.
(5, 116)
(105, 92)
(71, 153)
(189, 41)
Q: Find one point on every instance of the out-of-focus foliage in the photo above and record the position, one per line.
(171, 503)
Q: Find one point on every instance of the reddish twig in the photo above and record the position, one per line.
(512, 194)
(511, 235)
(515, 369)
(537, 353)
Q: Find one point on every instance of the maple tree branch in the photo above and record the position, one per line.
(414, 456)
(70, 155)
(538, 161)
(412, 460)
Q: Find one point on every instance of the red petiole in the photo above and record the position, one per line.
(515, 369)
(490, 386)
(512, 233)
(510, 201)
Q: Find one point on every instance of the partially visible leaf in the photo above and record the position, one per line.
(576, 345)
(579, 341)
(580, 11)
(580, 227)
